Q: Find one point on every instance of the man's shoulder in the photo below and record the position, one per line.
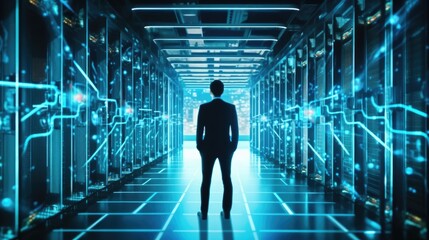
(204, 105)
(230, 105)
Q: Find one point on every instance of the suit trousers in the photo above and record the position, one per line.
(208, 161)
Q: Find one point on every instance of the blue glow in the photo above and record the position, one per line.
(371, 165)
(358, 85)
(409, 170)
(394, 19)
(407, 108)
(94, 87)
(6, 202)
(357, 167)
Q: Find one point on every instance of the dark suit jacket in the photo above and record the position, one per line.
(216, 118)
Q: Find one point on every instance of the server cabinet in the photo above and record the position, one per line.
(330, 130)
(409, 127)
(116, 117)
(320, 154)
(9, 119)
(291, 116)
(342, 115)
(98, 122)
(301, 101)
(282, 128)
(75, 91)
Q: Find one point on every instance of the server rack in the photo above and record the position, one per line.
(362, 73)
(85, 105)
(290, 115)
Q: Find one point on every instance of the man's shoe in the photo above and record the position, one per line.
(202, 216)
(225, 215)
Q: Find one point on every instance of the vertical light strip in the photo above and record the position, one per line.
(249, 215)
(62, 111)
(90, 227)
(144, 204)
(164, 228)
(286, 207)
(17, 165)
(87, 110)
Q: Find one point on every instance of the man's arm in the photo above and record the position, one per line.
(200, 129)
(234, 128)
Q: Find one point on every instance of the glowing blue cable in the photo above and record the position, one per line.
(104, 142)
(34, 86)
(410, 133)
(291, 108)
(336, 137)
(361, 125)
(94, 87)
(128, 137)
(322, 99)
(406, 107)
(370, 117)
(28, 85)
(273, 130)
(40, 106)
(316, 153)
(45, 134)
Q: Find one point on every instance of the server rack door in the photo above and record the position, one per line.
(320, 125)
(416, 96)
(138, 102)
(281, 115)
(33, 170)
(329, 128)
(98, 130)
(9, 130)
(76, 74)
(146, 111)
(375, 156)
(271, 113)
(298, 93)
(116, 120)
(309, 111)
(305, 123)
(342, 116)
(290, 112)
(347, 165)
(126, 151)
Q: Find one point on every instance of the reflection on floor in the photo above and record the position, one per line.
(163, 202)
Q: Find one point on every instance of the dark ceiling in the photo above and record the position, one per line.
(227, 40)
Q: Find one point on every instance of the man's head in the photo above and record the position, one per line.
(216, 87)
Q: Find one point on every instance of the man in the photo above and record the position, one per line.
(215, 119)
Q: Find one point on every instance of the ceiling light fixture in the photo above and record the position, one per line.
(219, 7)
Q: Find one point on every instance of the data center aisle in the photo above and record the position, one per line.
(163, 202)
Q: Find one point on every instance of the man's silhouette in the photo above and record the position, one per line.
(215, 119)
